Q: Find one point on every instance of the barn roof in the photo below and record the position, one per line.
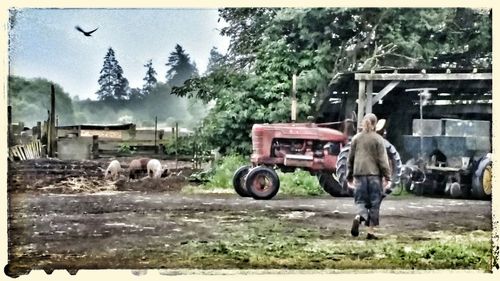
(99, 126)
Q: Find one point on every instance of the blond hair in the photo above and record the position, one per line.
(369, 122)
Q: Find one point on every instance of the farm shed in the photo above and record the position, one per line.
(456, 94)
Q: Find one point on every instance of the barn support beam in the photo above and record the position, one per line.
(369, 96)
(361, 101)
(387, 89)
(422, 76)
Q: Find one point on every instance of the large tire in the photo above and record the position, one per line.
(341, 169)
(262, 183)
(239, 181)
(331, 185)
(481, 179)
(394, 162)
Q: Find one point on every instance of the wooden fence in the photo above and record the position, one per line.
(33, 150)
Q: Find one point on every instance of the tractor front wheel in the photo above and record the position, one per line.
(262, 183)
(239, 181)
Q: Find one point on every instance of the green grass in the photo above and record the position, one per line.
(400, 192)
(280, 246)
(267, 243)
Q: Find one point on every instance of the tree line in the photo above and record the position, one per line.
(114, 86)
(153, 99)
(116, 101)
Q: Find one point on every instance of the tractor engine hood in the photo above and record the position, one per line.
(299, 131)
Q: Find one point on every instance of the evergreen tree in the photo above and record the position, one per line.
(181, 68)
(135, 94)
(106, 79)
(150, 79)
(114, 86)
(215, 61)
(121, 84)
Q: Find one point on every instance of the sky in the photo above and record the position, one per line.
(44, 43)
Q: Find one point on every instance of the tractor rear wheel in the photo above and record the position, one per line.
(341, 170)
(239, 181)
(331, 185)
(262, 183)
(482, 179)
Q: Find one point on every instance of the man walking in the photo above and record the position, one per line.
(367, 164)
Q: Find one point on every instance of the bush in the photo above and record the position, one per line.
(185, 146)
(125, 148)
(299, 182)
(222, 175)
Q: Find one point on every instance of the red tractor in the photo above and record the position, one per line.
(288, 146)
(308, 146)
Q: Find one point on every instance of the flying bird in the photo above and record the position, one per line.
(86, 33)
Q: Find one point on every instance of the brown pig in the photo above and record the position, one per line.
(138, 167)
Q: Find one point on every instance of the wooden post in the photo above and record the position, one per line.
(39, 130)
(44, 138)
(52, 125)
(176, 144)
(156, 127)
(361, 102)
(294, 98)
(49, 137)
(10, 137)
(195, 157)
(95, 147)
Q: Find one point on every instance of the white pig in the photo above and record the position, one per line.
(113, 169)
(154, 169)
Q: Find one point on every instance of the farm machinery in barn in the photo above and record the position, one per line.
(449, 157)
(288, 146)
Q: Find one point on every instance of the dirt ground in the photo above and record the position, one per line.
(152, 224)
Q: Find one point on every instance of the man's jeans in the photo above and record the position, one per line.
(367, 197)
